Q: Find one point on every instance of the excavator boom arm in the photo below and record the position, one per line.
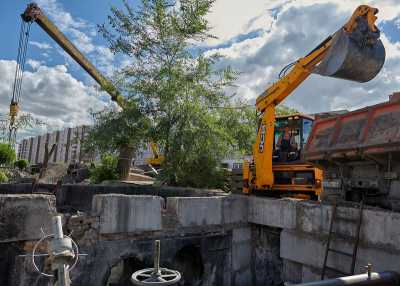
(34, 14)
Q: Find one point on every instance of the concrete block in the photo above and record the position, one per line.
(380, 228)
(312, 217)
(241, 249)
(273, 212)
(22, 216)
(241, 256)
(309, 250)
(241, 234)
(310, 274)
(123, 213)
(235, 209)
(243, 278)
(196, 211)
(291, 271)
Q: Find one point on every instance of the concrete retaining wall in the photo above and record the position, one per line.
(257, 241)
(305, 229)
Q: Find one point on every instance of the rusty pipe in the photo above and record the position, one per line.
(387, 278)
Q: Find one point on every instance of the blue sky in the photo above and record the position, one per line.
(257, 38)
(92, 12)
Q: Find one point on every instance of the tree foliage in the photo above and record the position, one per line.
(107, 170)
(24, 121)
(283, 110)
(115, 129)
(7, 154)
(3, 177)
(178, 94)
(21, 164)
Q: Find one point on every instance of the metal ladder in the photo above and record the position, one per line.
(332, 234)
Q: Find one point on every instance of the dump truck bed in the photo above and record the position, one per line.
(371, 130)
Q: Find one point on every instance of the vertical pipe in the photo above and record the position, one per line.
(157, 257)
(57, 227)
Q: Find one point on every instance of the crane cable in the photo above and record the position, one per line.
(19, 72)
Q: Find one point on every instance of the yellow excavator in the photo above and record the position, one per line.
(157, 158)
(355, 52)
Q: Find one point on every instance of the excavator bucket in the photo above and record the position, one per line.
(357, 55)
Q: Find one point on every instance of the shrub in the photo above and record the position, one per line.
(21, 164)
(107, 170)
(7, 154)
(3, 177)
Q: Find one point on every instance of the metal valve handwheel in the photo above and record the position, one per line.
(51, 236)
(156, 276)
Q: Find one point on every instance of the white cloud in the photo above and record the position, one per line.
(232, 18)
(50, 94)
(33, 64)
(299, 27)
(42, 46)
(80, 32)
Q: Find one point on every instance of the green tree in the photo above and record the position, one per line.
(176, 88)
(3, 177)
(125, 131)
(23, 122)
(283, 110)
(21, 164)
(7, 154)
(107, 170)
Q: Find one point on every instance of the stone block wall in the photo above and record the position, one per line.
(238, 240)
(305, 227)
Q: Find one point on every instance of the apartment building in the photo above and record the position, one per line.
(67, 150)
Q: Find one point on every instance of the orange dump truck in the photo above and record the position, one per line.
(359, 152)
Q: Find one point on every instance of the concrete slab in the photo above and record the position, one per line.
(310, 274)
(241, 249)
(273, 212)
(241, 256)
(241, 234)
(291, 271)
(196, 211)
(22, 216)
(243, 278)
(127, 214)
(309, 250)
(380, 228)
(235, 209)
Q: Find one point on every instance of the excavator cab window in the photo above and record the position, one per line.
(291, 133)
(307, 125)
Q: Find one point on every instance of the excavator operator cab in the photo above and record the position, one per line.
(291, 134)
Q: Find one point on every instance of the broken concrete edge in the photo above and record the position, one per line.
(22, 217)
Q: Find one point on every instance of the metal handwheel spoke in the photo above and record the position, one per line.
(168, 275)
(144, 275)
